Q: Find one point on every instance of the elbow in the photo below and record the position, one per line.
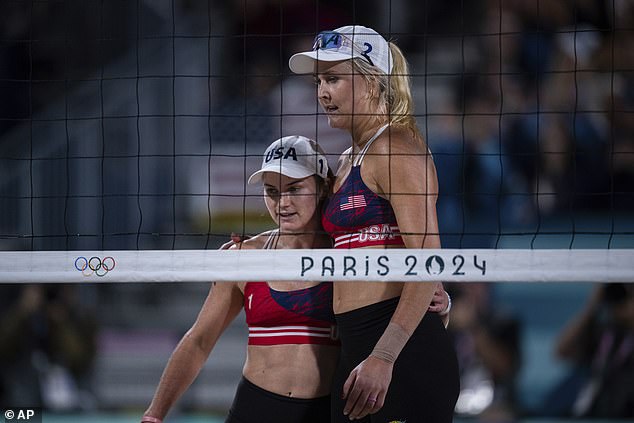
(193, 342)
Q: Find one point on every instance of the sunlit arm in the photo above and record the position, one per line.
(221, 306)
(407, 178)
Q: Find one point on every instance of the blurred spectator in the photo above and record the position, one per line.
(487, 341)
(553, 79)
(599, 341)
(47, 348)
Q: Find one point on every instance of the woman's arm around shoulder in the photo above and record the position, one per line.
(403, 171)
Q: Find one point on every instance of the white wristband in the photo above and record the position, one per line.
(448, 309)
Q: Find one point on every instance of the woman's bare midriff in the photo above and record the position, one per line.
(349, 296)
(292, 370)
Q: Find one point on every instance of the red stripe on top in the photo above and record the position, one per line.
(302, 316)
(292, 335)
(382, 234)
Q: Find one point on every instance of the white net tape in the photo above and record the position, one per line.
(483, 265)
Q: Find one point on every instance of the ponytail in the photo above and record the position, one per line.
(399, 96)
(394, 98)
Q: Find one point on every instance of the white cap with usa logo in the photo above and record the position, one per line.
(345, 43)
(293, 156)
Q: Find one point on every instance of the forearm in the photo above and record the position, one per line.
(413, 303)
(182, 368)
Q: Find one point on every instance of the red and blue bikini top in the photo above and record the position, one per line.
(303, 316)
(355, 216)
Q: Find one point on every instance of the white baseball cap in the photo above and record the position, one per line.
(293, 156)
(345, 43)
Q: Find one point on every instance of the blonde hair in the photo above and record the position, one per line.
(394, 98)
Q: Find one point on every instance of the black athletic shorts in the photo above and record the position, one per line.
(253, 404)
(425, 381)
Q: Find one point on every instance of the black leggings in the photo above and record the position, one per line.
(253, 404)
(425, 381)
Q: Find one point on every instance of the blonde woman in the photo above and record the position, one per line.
(397, 361)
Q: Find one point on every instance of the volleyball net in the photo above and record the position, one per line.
(405, 265)
(127, 161)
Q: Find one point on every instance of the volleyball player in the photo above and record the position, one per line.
(397, 361)
(292, 349)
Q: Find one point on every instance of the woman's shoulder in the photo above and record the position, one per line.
(256, 242)
(398, 141)
(399, 153)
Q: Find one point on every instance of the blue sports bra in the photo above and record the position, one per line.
(355, 216)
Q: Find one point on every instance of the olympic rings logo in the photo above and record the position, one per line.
(96, 265)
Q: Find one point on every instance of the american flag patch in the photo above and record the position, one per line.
(352, 202)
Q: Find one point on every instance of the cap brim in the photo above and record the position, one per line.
(305, 62)
(290, 171)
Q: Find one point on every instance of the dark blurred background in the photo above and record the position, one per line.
(133, 125)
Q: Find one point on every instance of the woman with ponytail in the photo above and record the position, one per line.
(397, 361)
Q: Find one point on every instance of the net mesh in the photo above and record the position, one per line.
(133, 125)
(128, 129)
